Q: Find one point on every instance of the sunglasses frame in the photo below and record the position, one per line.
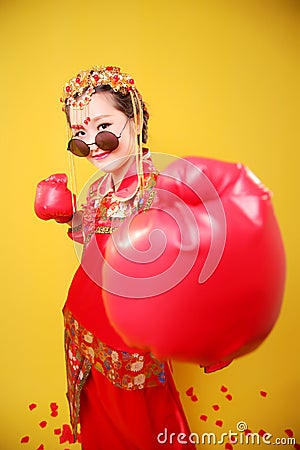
(86, 146)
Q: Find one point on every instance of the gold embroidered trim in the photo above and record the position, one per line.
(105, 230)
(125, 370)
(150, 200)
(75, 229)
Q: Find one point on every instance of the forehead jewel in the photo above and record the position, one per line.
(85, 82)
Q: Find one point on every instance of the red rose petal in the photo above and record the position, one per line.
(262, 433)
(216, 407)
(194, 398)
(297, 446)
(203, 417)
(263, 393)
(54, 414)
(32, 406)
(43, 424)
(289, 432)
(228, 446)
(190, 391)
(25, 439)
(229, 397)
(219, 423)
(223, 389)
(57, 431)
(53, 406)
(67, 435)
(41, 447)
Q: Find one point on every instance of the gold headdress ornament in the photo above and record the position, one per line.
(85, 82)
(78, 92)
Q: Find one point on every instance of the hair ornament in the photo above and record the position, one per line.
(83, 85)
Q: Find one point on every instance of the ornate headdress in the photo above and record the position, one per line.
(83, 85)
(78, 92)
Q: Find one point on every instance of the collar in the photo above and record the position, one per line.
(130, 182)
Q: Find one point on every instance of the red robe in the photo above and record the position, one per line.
(125, 398)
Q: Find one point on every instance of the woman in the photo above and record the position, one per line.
(220, 302)
(124, 398)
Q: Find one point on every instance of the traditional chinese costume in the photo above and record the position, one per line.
(122, 396)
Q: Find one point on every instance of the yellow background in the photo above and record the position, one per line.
(221, 80)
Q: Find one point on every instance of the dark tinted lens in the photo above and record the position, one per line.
(107, 141)
(78, 147)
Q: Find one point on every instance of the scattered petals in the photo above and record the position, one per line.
(219, 423)
(41, 447)
(229, 397)
(289, 432)
(247, 431)
(262, 433)
(194, 398)
(43, 424)
(216, 407)
(223, 389)
(203, 417)
(297, 446)
(32, 406)
(228, 446)
(67, 435)
(54, 409)
(57, 431)
(190, 391)
(25, 439)
(263, 393)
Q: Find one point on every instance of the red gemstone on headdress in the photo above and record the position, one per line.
(115, 78)
(61, 100)
(109, 67)
(96, 77)
(85, 122)
(63, 109)
(78, 80)
(131, 81)
(68, 88)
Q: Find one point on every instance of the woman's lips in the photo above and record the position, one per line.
(101, 155)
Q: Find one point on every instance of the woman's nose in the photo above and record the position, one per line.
(94, 148)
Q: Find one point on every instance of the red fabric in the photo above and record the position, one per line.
(116, 419)
(113, 418)
(86, 304)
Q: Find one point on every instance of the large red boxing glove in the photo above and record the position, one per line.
(53, 199)
(200, 276)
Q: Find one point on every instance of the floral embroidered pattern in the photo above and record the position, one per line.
(125, 370)
(105, 215)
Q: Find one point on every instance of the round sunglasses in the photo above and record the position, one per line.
(105, 140)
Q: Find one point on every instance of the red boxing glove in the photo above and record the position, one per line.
(53, 199)
(200, 276)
